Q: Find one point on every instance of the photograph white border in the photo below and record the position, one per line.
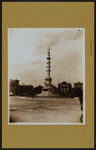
(83, 93)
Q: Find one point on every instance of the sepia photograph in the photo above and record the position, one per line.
(46, 76)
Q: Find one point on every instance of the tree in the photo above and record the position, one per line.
(38, 89)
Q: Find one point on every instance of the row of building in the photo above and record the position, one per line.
(64, 88)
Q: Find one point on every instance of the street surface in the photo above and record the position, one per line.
(44, 110)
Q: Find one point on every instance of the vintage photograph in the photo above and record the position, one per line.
(46, 76)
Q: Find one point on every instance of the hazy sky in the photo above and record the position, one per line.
(27, 52)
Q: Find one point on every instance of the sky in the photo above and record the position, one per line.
(27, 52)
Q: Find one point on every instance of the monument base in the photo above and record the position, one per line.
(48, 91)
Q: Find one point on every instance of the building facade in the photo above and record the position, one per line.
(14, 87)
(64, 88)
(78, 85)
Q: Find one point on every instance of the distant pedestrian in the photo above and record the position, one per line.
(32, 95)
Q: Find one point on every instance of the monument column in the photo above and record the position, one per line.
(48, 79)
(48, 90)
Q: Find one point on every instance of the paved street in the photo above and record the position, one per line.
(44, 110)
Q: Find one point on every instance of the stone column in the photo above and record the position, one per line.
(48, 79)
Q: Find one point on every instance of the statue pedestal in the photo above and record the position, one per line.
(48, 91)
